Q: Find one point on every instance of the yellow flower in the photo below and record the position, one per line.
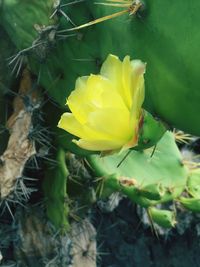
(106, 108)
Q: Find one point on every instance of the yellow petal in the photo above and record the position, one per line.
(106, 108)
(102, 94)
(79, 104)
(113, 123)
(96, 145)
(126, 81)
(69, 123)
(132, 75)
(112, 70)
(137, 82)
(138, 89)
(96, 84)
(81, 82)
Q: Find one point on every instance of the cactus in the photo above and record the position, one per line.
(192, 201)
(155, 35)
(56, 194)
(62, 41)
(59, 42)
(36, 14)
(149, 35)
(164, 218)
(162, 177)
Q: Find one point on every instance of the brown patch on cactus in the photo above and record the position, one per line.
(126, 181)
(19, 148)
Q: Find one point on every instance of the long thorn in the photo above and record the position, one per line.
(72, 3)
(67, 17)
(96, 21)
(121, 161)
(114, 5)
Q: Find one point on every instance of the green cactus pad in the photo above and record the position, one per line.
(150, 132)
(20, 17)
(193, 183)
(192, 204)
(146, 178)
(154, 35)
(160, 34)
(163, 218)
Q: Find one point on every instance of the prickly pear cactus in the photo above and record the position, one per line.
(150, 36)
(35, 14)
(59, 46)
(192, 200)
(155, 35)
(162, 178)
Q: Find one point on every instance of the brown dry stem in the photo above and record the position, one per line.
(19, 148)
